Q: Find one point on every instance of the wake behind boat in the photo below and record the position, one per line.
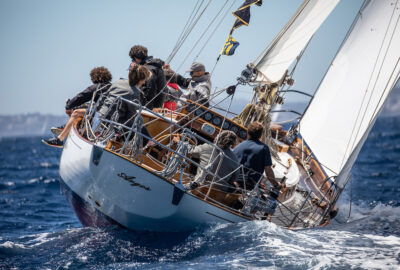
(110, 177)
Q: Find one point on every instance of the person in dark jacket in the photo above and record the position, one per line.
(256, 158)
(128, 89)
(153, 96)
(101, 79)
(172, 91)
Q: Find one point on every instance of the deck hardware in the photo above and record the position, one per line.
(179, 191)
(97, 152)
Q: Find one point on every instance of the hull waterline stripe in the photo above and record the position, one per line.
(220, 217)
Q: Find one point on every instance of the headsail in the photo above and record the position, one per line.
(354, 89)
(292, 39)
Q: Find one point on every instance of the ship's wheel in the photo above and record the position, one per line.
(161, 153)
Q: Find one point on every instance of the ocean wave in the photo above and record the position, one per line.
(42, 179)
(40, 231)
(11, 248)
(257, 244)
(28, 183)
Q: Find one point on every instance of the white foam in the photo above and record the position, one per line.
(35, 180)
(67, 265)
(82, 258)
(51, 180)
(41, 178)
(390, 240)
(12, 245)
(45, 165)
(9, 247)
(9, 184)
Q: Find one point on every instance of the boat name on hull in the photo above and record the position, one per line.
(133, 183)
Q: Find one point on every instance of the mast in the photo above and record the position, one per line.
(274, 61)
(354, 89)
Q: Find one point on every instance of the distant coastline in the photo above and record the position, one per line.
(30, 124)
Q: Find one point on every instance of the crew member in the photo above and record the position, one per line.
(101, 79)
(153, 96)
(210, 155)
(198, 87)
(75, 107)
(256, 158)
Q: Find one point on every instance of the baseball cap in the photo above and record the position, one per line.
(196, 67)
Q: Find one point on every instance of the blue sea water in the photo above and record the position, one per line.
(39, 230)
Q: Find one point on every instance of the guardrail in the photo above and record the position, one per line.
(100, 129)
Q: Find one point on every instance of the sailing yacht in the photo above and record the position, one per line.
(110, 178)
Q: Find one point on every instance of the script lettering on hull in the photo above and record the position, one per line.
(133, 183)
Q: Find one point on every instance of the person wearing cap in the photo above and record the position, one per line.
(197, 87)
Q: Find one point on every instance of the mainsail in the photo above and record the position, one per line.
(352, 93)
(292, 39)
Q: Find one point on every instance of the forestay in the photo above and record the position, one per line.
(292, 39)
(354, 89)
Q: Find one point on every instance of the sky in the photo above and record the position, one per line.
(48, 47)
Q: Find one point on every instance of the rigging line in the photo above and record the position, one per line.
(298, 58)
(380, 98)
(224, 110)
(182, 41)
(222, 125)
(212, 34)
(375, 112)
(192, 113)
(215, 65)
(391, 88)
(202, 35)
(215, 29)
(184, 29)
(351, 198)
(350, 203)
(193, 25)
(337, 52)
(352, 140)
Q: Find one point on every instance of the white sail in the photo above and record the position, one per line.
(354, 89)
(293, 38)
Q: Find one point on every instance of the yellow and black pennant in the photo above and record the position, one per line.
(243, 13)
(230, 46)
(242, 18)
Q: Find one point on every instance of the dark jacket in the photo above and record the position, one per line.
(86, 95)
(255, 156)
(172, 92)
(120, 88)
(155, 85)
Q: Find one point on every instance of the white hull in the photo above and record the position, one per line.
(129, 194)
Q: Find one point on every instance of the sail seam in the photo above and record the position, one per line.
(281, 33)
(352, 138)
(334, 58)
